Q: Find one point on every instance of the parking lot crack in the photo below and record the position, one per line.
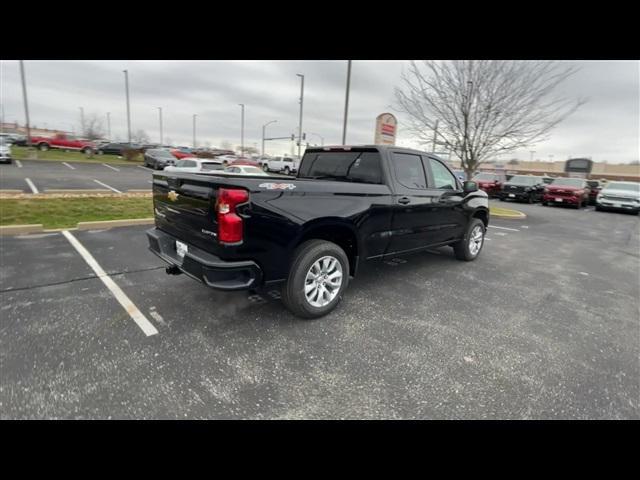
(79, 279)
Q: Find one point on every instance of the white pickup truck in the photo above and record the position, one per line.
(287, 165)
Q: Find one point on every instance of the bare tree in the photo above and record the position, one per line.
(93, 127)
(140, 137)
(483, 107)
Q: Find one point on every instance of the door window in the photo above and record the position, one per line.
(409, 171)
(442, 177)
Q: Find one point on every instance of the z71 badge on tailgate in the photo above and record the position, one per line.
(277, 186)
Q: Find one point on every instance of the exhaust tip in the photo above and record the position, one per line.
(173, 270)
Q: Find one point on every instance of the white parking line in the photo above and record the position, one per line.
(146, 326)
(112, 168)
(31, 185)
(505, 228)
(19, 163)
(70, 166)
(105, 185)
(145, 168)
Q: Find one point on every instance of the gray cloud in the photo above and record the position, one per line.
(606, 128)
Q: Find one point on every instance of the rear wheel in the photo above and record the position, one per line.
(43, 147)
(471, 244)
(598, 208)
(265, 167)
(286, 170)
(318, 276)
(87, 150)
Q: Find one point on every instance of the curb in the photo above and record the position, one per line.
(21, 229)
(518, 216)
(115, 223)
(100, 225)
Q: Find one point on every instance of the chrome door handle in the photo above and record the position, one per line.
(404, 200)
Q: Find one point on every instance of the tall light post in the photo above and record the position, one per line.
(194, 130)
(263, 130)
(346, 104)
(301, 103)
(160, 113)
(532, 152)
(109, 126)
(241, 129)
(126, 86)
(82, 129)
(26, 103)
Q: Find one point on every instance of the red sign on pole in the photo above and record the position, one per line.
(386, 129)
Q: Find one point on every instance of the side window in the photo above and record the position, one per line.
(366, 169)
(442, 178)
(409, 171)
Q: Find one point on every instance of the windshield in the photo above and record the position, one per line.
(486, 177)
(346, 166)
(630, 187)
(524, 180)
(568, 182)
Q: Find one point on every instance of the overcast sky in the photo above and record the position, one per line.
(606, 128)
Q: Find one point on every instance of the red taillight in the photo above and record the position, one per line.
(229, 223)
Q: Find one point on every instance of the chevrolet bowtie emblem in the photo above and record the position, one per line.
(173, 196)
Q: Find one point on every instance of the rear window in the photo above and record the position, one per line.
(361, 167)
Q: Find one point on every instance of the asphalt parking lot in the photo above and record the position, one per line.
(545, 324)
(27, 175)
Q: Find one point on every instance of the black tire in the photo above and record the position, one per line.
(265, 167)
(87, 150)
(530, 199)
(501, 199)
(286, 171)
(461, 248)
(304, 257)
(43, 147)
(598, 208)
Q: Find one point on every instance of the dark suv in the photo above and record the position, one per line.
(527, 188)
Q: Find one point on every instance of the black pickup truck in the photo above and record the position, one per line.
(309, 234)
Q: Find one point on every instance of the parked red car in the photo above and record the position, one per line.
(490, 183)
(245, 161)
(567, 191)
(63, 142)
(181, 153)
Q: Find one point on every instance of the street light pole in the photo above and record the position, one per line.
(82, 129)
(241, 129)
(301, 103)
(346, 104)
(26, 103)
(194, 130)
(126, 86)
(263, 130)
(160, 112)
(109, 125)
(532, 152)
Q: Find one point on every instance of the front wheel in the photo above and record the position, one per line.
(43, 147)
(469, 247)
(87, 150)
(265, 167)
(318, 276)
(286, 170)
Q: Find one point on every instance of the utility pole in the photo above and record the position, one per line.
(26, 103)
(532, 152)
(109, 126)
(126, 85)
(301, 102)
(241, 129)
(263, 130)
(346, 104)
(82, 129)
(194, 130)
(160, 111)
(435, 133)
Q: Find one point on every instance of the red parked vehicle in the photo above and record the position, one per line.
(64, 142)
(567, 191)
(245, 161)
(490, 183)
(181, 153)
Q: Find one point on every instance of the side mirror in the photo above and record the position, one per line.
(469, 187)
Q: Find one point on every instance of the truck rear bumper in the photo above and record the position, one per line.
(205, 267)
